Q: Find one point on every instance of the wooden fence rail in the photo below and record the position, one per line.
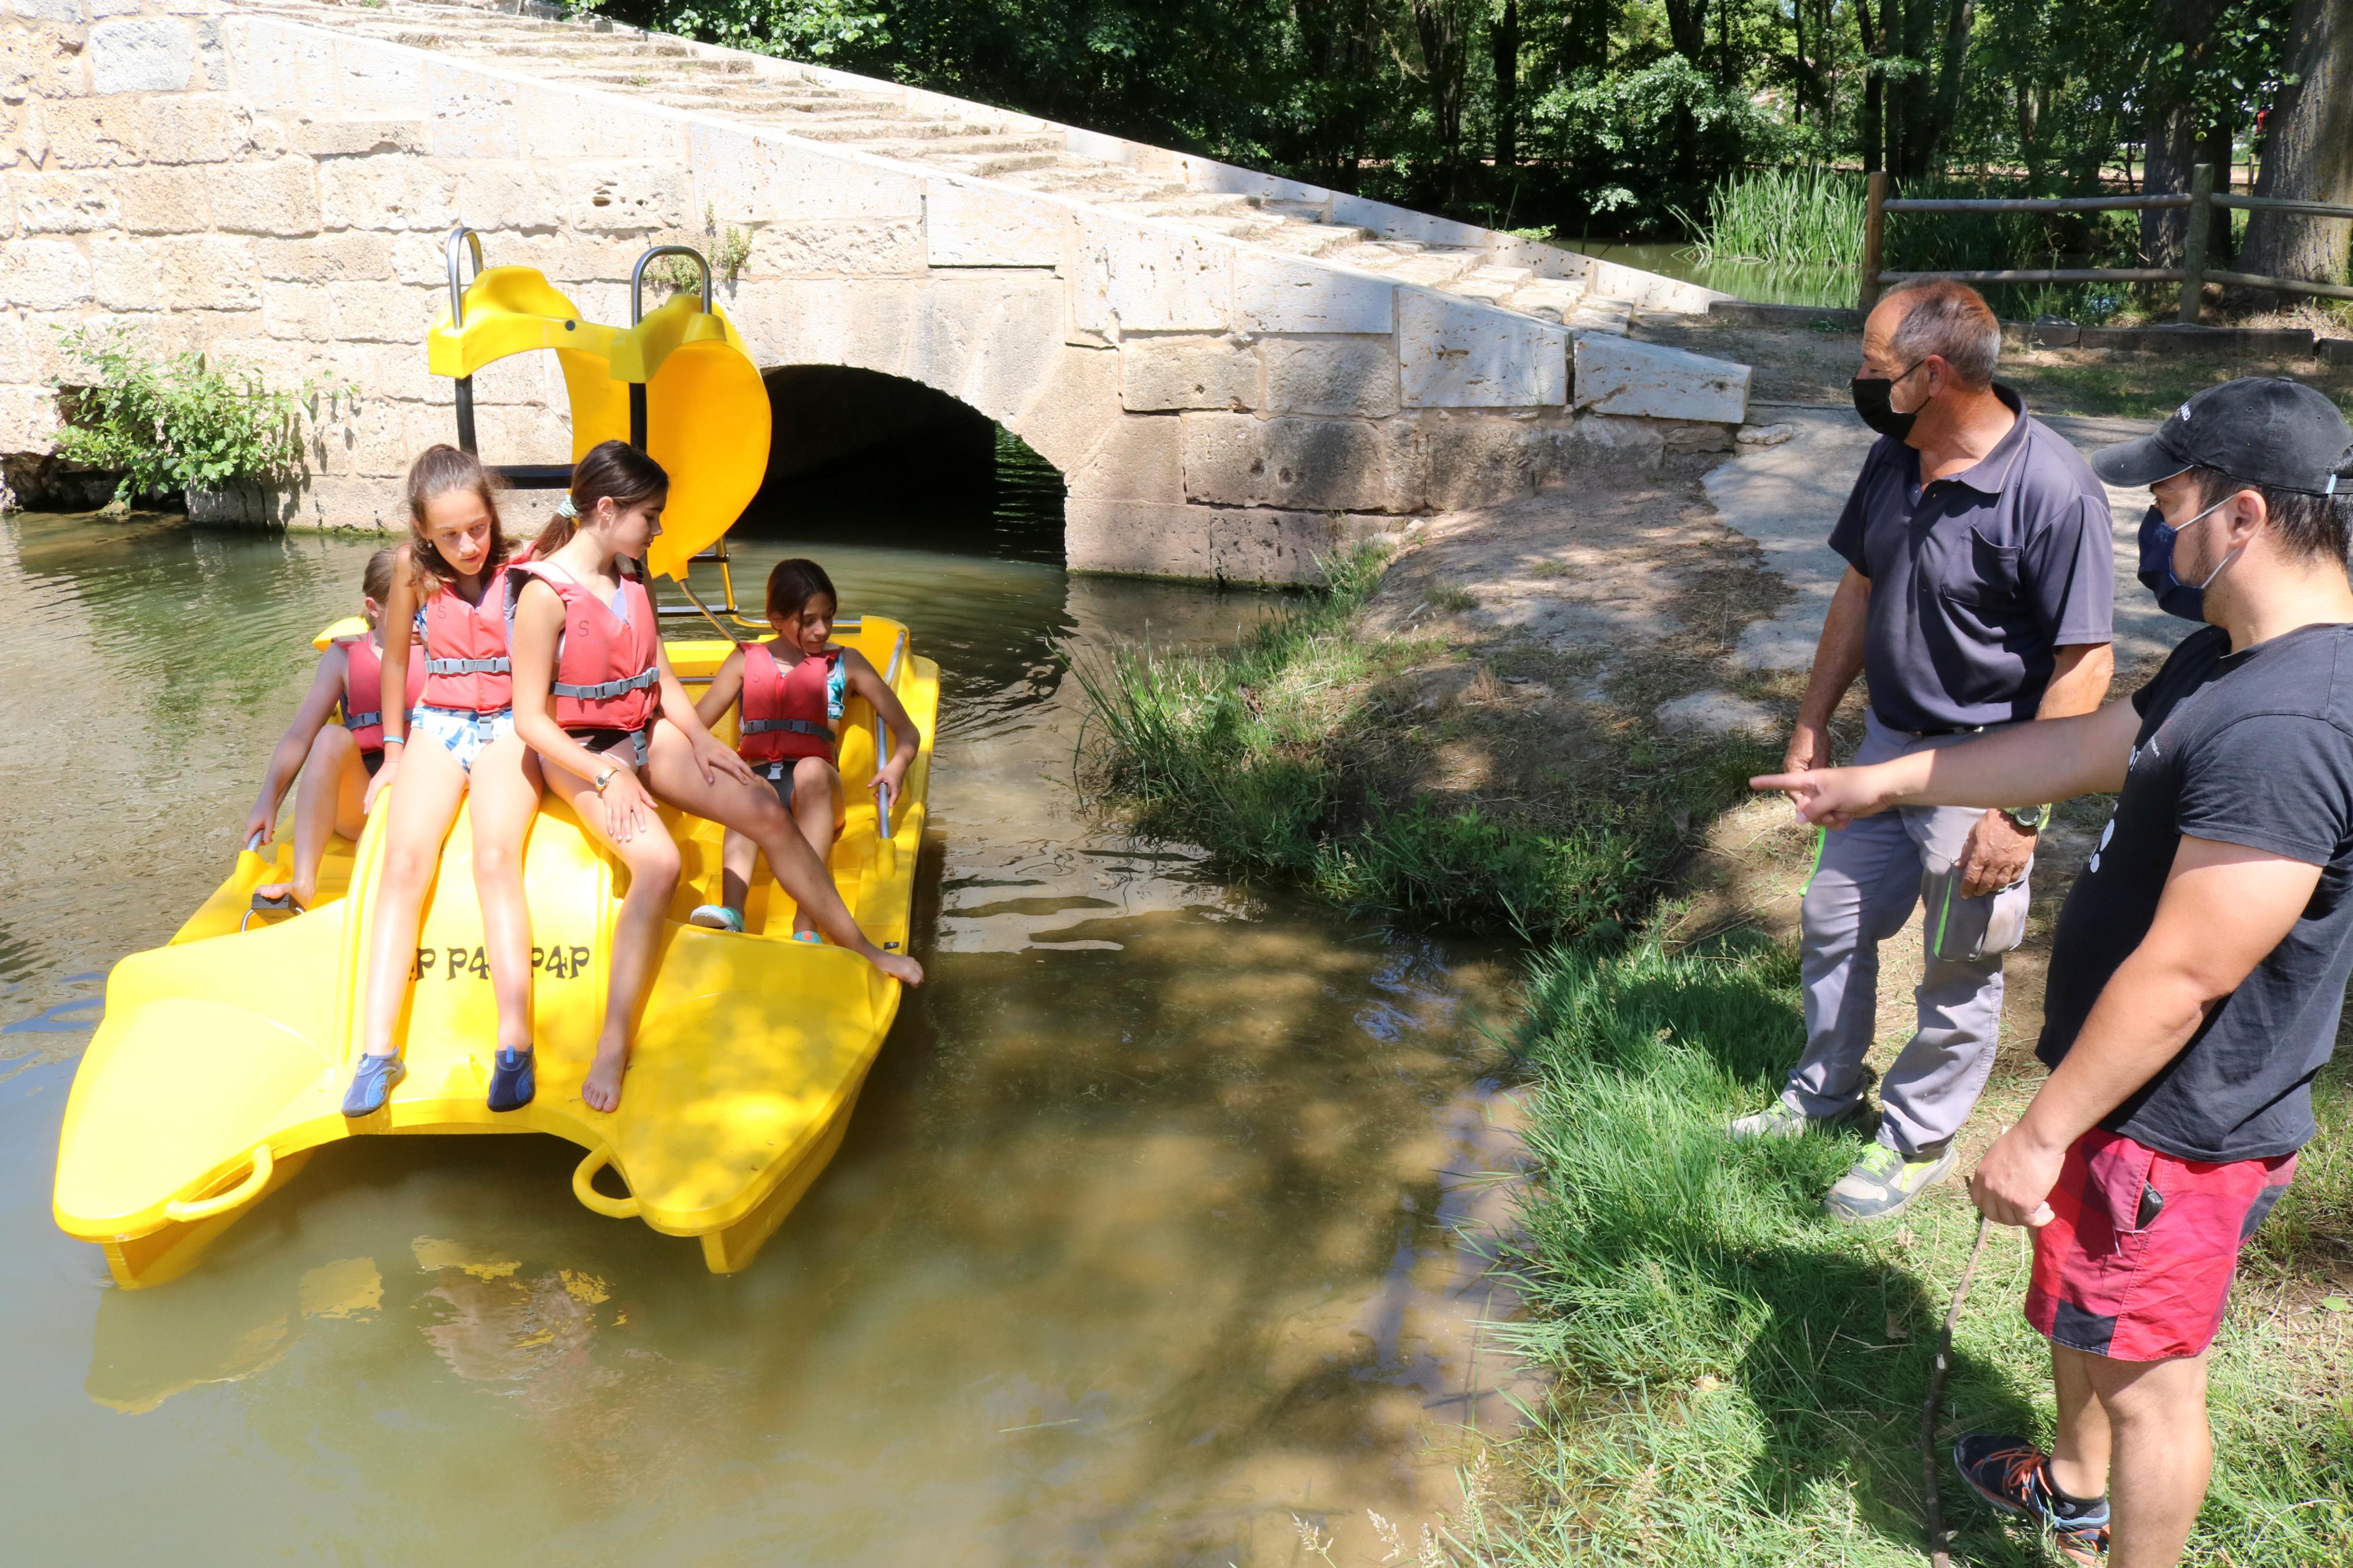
(2193, 274)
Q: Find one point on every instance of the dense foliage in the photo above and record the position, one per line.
(175, 424)
(1609, 116)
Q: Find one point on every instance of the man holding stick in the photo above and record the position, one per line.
(2199, 969)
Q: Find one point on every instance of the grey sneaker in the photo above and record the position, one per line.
(1884, 1182)
(1783, 1119)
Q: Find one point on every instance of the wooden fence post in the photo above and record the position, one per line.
(1874, 235)
(2193, 246)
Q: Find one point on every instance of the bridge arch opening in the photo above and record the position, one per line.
(860, 456)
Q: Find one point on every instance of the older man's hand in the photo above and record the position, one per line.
(1995, 855)
(1809, 750)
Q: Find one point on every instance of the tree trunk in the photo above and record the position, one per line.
(1439, 25)
(1687, 28)
(1873, 127)
(2181, 34)
(1505, 37)
(2309, 151)
(1958, 17)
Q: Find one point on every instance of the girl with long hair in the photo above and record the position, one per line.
(449, 591)
(595, 696)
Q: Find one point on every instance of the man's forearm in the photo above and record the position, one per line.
(1838, 654)
(2024, 766)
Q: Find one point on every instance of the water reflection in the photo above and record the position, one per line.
(1141, 1242)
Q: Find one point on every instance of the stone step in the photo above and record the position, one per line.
(672, 72)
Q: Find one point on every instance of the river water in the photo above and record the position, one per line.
(1143, 1241)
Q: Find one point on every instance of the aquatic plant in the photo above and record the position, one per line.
(1806, 219)
(174, 424)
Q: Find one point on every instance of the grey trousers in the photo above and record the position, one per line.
(1866, 880)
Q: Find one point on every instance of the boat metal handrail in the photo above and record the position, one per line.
(457, 287)
(637, 277)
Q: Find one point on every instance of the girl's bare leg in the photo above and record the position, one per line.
(652, 859)
(674, 776)
(817, 811)
(505, 790)
(326, 802)
(736, 854)
(425, 799)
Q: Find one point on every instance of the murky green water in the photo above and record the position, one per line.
(1138, 1246)
(1747, 279)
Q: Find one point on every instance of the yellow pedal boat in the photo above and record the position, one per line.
(222, 1057)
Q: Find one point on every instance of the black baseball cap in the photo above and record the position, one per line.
(2259, 429)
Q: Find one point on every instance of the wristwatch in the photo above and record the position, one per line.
(601, 780)
(2029, 819)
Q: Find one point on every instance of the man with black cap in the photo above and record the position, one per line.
(2199, 969)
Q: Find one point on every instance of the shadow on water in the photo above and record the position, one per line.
(1141, 1240)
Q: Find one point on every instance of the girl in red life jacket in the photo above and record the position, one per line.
(336, 760)
(595, 699)
(450, 741)
(793, 690)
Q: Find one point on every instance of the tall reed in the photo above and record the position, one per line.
(1808, 219)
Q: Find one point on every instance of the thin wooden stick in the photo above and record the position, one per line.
(1938, 1557)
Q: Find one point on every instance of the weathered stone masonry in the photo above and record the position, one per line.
(275, 190)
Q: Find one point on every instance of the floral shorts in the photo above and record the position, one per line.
(465, 732)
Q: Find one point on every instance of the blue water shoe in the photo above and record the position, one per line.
(513, 1082)
(373, 1083)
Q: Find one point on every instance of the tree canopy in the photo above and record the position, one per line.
(1607, 116)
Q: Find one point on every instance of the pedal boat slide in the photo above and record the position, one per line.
(221, 1059)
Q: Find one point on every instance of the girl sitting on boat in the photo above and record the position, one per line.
(793, 690)
(335, 760)
(449, 591)
(595, 699)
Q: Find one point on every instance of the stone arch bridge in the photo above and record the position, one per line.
(1232, 371)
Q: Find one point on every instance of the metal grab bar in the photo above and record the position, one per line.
(457, 288)
(637, 277)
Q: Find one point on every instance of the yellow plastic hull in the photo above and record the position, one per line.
(222, 1057)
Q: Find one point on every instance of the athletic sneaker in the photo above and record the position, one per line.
(716, 917)
(2014, 1476)
(1884, 1182)
(1783, 1119)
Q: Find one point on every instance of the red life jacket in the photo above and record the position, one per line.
(466, 663)
(785, 711)
(363, 689)
(607, 675)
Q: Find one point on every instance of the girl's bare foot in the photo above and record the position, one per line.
(898, 966)
(602, 1090)
(285, 889)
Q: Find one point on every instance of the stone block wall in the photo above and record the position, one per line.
(278, 194)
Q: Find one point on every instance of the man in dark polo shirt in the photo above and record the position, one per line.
(1979, 594)
(2198, 971)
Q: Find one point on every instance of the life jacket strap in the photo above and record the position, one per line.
(790, 726)
(468, 665)
(609, 688)
(361, 720)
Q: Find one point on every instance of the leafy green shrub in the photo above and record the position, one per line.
(168, 426)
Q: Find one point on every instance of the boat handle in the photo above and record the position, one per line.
(257, 1178)
(584, 1176)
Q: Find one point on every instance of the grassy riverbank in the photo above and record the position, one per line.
(1738, 1380)
(1741, 1379)
(1291, 754)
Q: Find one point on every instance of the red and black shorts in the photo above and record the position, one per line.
(2137, 1263)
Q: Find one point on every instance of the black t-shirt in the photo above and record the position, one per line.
(2254, 748)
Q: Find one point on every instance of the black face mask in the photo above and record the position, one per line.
(2174, 596)
(1871, 395)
